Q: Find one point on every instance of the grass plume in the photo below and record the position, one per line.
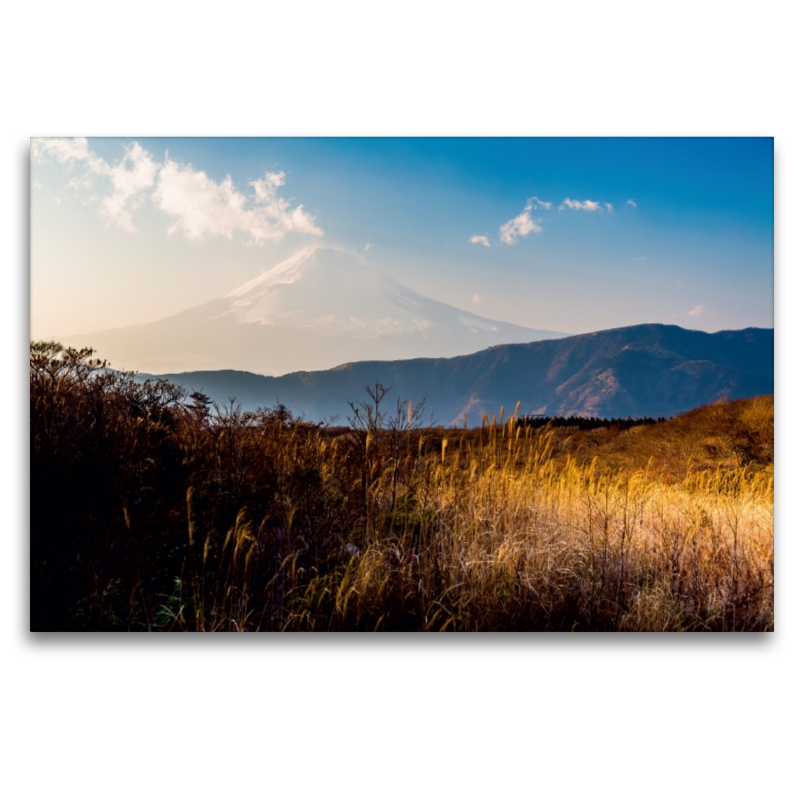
(155, 510)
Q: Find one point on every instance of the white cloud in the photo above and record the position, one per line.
(131, 176)
(696, 311)
(367, 246)
(70, 152)
(479, 240)
(609, 207)
(535, 202)
(202, 207)
(521, 225)
(586, 205)
(476, 298)
(631, 203)
(63, 150)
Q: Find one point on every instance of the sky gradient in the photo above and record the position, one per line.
(567, 234)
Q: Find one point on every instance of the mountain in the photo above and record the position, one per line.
(643, 370)
(317, 309)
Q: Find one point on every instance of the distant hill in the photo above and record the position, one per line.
(317, 309)
(642, 370)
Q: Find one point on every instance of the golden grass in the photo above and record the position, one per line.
(150, 513)
(510, 541)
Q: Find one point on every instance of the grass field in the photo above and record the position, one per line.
(151, 510)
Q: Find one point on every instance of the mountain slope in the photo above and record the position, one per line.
(317, 309)
(657, 370)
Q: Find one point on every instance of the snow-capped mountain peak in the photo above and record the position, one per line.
(286, 272)
(333, 293)
(315, 310)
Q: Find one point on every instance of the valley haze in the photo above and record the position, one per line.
(642, 370)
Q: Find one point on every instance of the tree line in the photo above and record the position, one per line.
(586, 423)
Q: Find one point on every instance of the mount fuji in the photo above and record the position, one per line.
(318, 309)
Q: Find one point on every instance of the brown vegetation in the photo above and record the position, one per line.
(151, 510)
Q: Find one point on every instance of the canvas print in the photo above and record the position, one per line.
(399, 384)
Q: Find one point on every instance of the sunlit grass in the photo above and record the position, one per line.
(155, 511)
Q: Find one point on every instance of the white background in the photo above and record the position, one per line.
(395, 716)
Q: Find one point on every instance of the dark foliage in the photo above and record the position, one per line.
(154, 509)
(585, 423)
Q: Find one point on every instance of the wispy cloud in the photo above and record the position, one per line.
(535, 202)
(134, 174)
(696, 311)
(66, 151)
(200, 206)
(631, 203)
(476, 298)
(479, 240)
(521, 225)
(609, 207)
(367, 246)
(581, 205)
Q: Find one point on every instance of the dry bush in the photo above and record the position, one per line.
(151, 510)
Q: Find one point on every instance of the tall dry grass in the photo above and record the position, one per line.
(507, 540)
(204, 518)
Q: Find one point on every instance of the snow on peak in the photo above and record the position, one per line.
(330, 292)
(285, 272)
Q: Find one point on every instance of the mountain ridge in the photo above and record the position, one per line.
(643, 370)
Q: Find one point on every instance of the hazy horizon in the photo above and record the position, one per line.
(569, 235)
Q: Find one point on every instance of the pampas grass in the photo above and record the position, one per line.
(151, 510)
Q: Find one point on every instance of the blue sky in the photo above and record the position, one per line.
(577, 234)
